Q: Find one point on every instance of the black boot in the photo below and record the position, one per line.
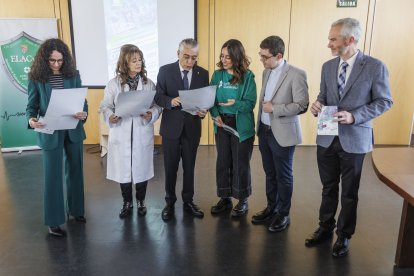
(126, 210)
(240, 209)
(126, 189)
(140, 191)
(221, 206)
(142, 209)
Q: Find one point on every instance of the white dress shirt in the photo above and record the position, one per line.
(270, 88)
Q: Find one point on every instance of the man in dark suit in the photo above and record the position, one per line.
(358, 85)
(180, 130)
(283, 97)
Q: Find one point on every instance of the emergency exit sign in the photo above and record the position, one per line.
(346, 3)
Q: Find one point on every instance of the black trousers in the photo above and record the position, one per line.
(233, 176)
(140, 191)
(184, 147)
(335, 166)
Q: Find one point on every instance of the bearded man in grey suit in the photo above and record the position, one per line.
(283, 97)
(358, 85)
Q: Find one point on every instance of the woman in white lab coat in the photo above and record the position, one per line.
(131, 140)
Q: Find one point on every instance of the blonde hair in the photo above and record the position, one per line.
(125, 55)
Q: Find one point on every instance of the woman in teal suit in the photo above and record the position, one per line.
(54, 68)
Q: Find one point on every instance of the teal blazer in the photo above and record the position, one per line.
(38, 100)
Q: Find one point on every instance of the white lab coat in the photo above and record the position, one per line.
(129, 161)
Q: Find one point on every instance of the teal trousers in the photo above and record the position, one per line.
(71, 154)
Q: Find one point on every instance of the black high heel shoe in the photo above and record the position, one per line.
(77, 218)
(56, 231)
(80, 219)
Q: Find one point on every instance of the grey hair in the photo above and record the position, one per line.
(350, 27)
(188, 42)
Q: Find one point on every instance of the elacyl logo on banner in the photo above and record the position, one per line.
(17, 57)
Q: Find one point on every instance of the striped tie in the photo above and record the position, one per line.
(342, 78)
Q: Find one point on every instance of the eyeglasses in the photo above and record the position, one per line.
(53, 61)
(264, 58)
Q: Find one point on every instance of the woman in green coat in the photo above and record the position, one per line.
(235, 101)
(54, 68)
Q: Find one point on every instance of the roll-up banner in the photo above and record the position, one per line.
(19, 41)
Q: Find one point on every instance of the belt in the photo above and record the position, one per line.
(226, 115)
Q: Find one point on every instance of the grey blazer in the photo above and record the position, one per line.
(366, 95)
(290, 98)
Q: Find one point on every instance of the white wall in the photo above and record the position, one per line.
(175, 22)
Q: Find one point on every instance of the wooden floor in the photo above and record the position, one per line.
(217, 245)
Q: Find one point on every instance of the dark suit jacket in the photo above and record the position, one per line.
(173, 120)
(38, 100)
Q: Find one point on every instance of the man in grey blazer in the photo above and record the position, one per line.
(358, 85)
(283, 97)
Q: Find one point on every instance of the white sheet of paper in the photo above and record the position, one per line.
(63, 105)
(200, 99)
(229, 129)
(134, 103)
(326, 125)
(44, 130)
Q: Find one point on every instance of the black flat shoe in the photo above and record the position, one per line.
(142, 209)
(263, 216)
(168, 212)
(279, 223)
(341, 247)
(77, 218)
(56, 231)
(80, 219)
(126, 210)
(240, 209)
(193, 209)
(318, 237)
(221, 206)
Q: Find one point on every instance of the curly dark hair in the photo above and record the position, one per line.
(40, 70)
(238, 58)
(125, 56)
